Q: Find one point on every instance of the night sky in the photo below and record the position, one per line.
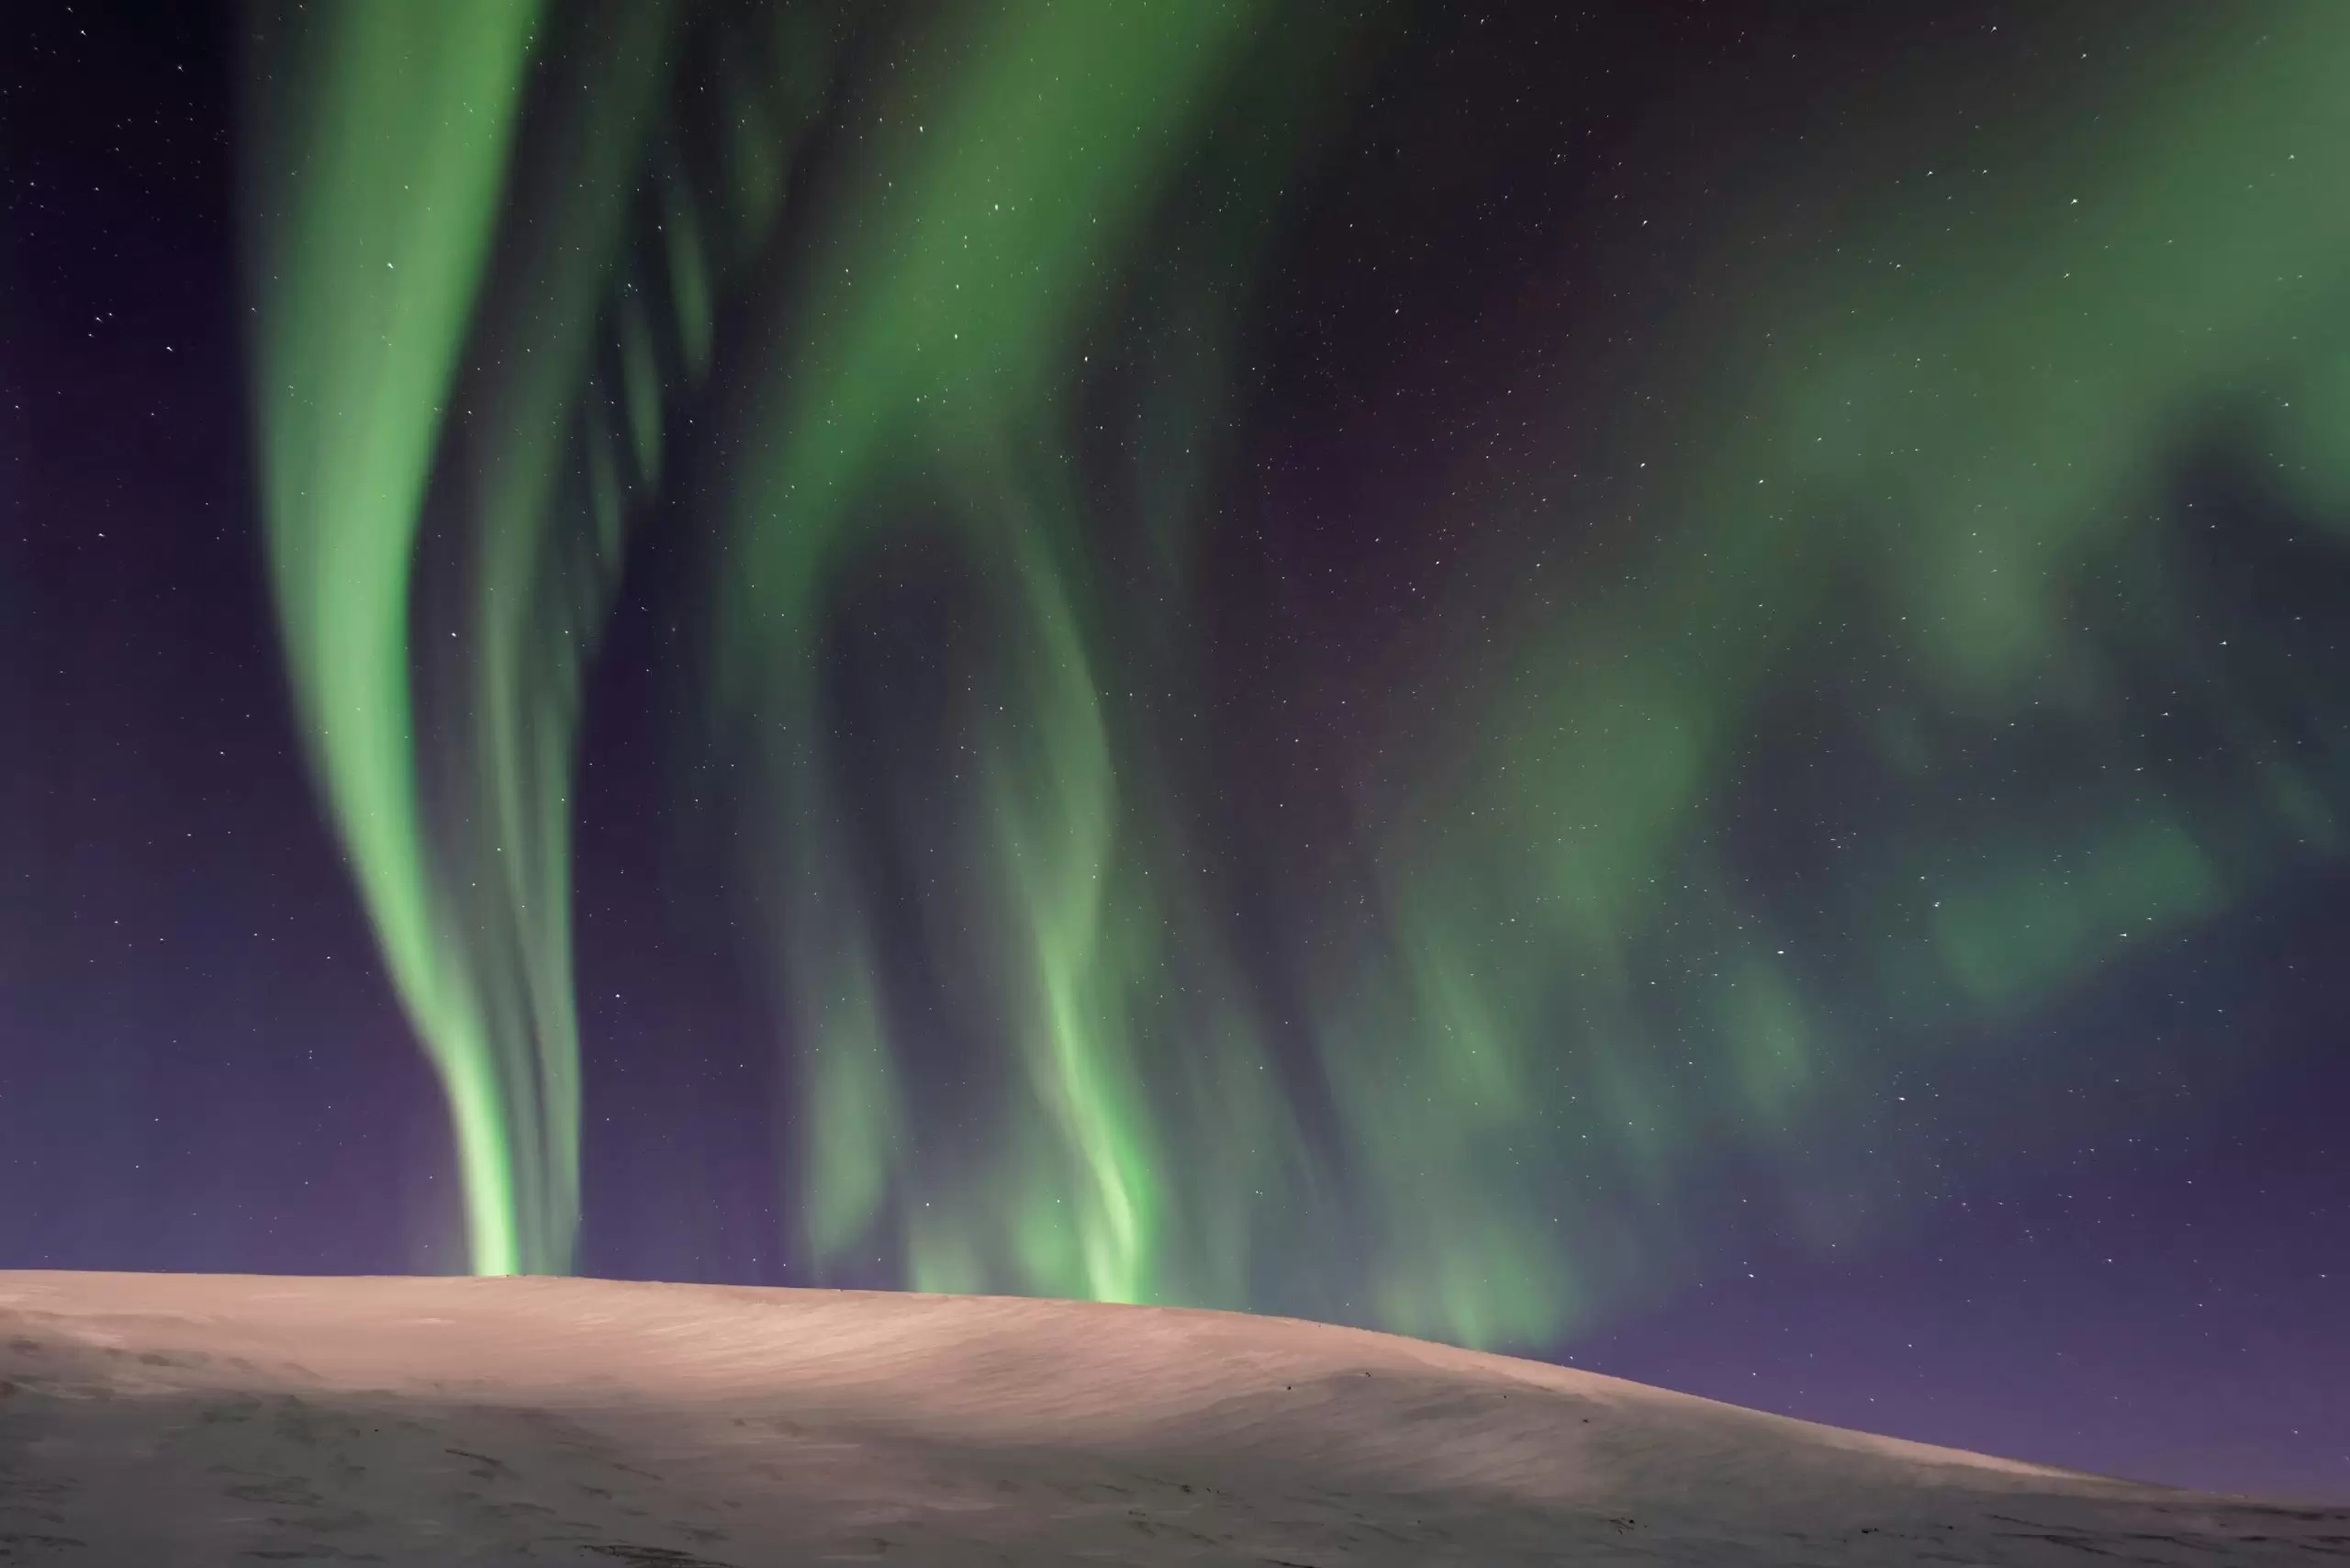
(1657, 684)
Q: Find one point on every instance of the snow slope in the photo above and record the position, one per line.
(180, 1421)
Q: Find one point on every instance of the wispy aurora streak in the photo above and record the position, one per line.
(374, 204)
(939, 335)
(378, 183)
(1910, 491)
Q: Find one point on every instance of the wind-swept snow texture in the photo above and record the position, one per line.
(184, 1421)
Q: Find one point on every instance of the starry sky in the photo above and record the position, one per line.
(1652, 684)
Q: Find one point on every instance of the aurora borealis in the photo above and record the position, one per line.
(1471, 672)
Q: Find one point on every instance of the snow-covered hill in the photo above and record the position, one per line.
(181, 1421)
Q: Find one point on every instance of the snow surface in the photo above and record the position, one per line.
(180, 1421)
